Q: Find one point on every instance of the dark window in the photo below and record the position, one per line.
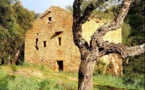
(44, 43)
(50, 19)
(59, 41)
(36, 40)
(60, 65)
(37, 48)
(36, 44)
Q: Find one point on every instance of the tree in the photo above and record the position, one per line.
(14, 21)
(90, 52)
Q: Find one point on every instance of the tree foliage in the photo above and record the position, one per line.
(14, 21)
(133, 34)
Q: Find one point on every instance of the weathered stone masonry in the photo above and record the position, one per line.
(50, 40)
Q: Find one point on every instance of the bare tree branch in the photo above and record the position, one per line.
(78, 20)
(89, 10)
(136, 50)
(105, 47)
(108, 48)
(76, 10)
(87, 13)
(77, 28)
(118, 21)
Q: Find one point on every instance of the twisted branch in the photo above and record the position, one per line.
(135, 50)
(115, 24)
(78, 20)
(108, 48)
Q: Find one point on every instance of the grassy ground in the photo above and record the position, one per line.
(33, 77)
(119, 83)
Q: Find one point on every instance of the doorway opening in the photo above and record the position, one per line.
(60, 65)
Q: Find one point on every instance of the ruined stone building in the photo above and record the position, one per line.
(50, 40)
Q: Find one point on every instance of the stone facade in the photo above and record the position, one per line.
(50, 40)
(112, 36)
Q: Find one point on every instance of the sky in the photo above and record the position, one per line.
(39, 6)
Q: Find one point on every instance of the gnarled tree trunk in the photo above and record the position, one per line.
(85, 77)
(85, 74)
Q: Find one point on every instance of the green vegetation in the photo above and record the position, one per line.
(107, 10)
(15, 20)
(99, 68)
(13, 67)
(127, 83)
(62, 80)
(133, 34)
(22, 82)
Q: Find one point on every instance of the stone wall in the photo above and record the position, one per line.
(112, 36)
(50, 40)
(59, 51)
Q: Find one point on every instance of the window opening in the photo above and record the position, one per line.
(44, 43)
(50, 19)
(36, 44)
(59, 41)
(60, 65)
(36, 40)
